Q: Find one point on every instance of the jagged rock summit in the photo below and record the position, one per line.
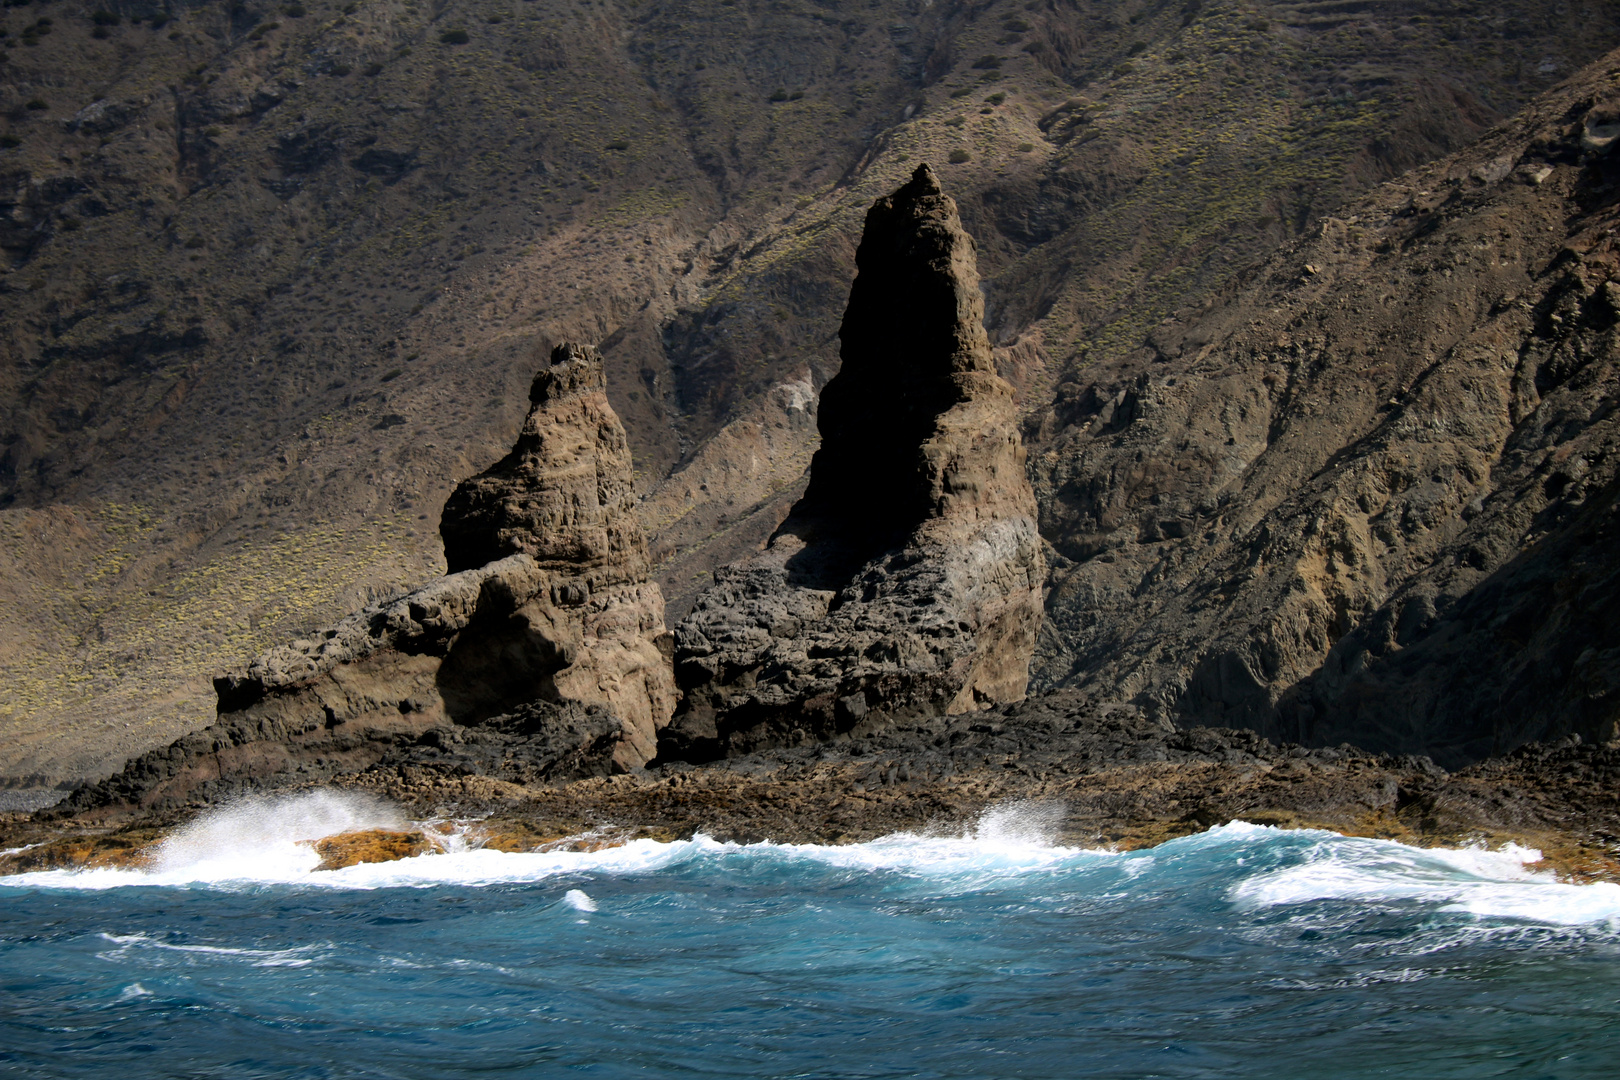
(546, 631)
(907, 581)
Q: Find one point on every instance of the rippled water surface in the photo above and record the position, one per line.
(1242, 952)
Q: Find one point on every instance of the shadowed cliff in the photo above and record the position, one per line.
(1371, 495)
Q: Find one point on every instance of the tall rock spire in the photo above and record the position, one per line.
(907, 581)
(913, 347)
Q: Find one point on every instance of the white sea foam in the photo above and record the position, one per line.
(295, 957)
(268, 841)
(1008, 839)
(1473, 880)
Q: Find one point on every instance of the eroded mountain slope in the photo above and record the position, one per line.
(1371, 494)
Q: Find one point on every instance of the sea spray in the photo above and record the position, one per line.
(267, 838)
(1022, 822)
(1474, 880)
(988, 953)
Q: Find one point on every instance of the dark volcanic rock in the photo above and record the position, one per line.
(1075, 769)
(563, 617)
(907, 580)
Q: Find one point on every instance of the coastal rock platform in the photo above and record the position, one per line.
(1103, 775)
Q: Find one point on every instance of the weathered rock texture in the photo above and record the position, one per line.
(907, 580)
(564, 496)
(559, 618)
(1372, 495)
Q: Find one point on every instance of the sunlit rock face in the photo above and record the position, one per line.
(907, 580)
(548, 611)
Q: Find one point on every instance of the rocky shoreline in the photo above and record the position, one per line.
(863, 673)
(1107, 776)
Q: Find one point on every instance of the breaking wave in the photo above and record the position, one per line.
(269, 841)
(989, 952)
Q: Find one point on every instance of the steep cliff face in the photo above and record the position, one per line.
(1371, 494)
(907, 580)
(551, 613)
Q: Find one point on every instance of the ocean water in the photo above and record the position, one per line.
(1241, 952)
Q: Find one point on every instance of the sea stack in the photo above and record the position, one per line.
(547, 629)
(907, 582)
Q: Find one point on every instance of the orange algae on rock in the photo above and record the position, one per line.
(126, 851)
(370, 846)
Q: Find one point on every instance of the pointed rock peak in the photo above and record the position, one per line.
(923, 182)
(574, 368)
(913, 347)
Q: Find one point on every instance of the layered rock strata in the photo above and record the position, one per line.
(548, 629)
(907, 580)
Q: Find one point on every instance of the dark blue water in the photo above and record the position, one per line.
(1243, 952)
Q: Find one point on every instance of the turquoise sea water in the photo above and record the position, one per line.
(1242, 952)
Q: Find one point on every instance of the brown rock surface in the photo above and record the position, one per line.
(907, 580)
(564, 495)
(567, 620)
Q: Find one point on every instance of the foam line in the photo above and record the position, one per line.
(260, 842)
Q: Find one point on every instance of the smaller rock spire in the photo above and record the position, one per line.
(565, 494)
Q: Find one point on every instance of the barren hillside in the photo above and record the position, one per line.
(275, 275)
